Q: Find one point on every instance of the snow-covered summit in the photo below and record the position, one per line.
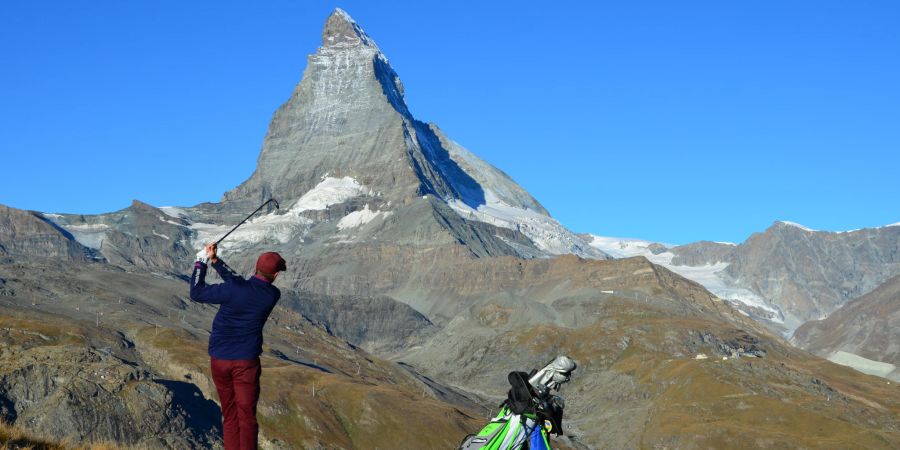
(795, 225)
(805, 228)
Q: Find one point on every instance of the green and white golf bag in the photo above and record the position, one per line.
(506, 431)
(529, 414)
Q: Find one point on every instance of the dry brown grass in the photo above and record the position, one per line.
(13, 437)
(43, 331)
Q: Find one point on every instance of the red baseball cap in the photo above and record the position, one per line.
(270, 263)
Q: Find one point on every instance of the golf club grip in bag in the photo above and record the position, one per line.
(518, 422)
(530, 412)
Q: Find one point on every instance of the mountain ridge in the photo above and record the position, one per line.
(785, 275)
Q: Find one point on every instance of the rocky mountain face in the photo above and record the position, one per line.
(348, 117)
(73, 384)
(701, 253)
(785, 276)
(140, 237)
(810, 274)
(30, 234)
(864, 333)
(378, 324)
(402, 243)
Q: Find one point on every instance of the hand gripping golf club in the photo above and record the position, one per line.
(271, 200)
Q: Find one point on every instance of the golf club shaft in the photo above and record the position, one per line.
(247, 218)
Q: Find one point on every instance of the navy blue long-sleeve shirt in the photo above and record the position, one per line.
(245, 306)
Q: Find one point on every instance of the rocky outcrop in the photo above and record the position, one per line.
(701, 253)
(144, 237)
(29, 234)
(82, 394)
(6, 291)
(138, 237)
(377, 324)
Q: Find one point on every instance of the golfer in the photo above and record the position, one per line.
(236, 339)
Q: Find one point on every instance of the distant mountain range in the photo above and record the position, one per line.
(419, 276)
(784, 276)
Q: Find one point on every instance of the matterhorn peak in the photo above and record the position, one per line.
(348, 119)
(341, 30)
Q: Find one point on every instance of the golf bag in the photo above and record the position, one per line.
(530, 412)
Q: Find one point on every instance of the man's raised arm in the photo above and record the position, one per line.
(208, 293)
(227, 274)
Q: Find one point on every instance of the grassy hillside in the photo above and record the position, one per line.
(317, 390)
(16, 438)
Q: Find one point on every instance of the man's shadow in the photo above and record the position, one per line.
(202, 415)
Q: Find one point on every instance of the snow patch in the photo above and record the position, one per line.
(161, 235)
(796, 225)
(496, 199)
(330, 191)
(489, 178)
(343, 14)
(270, 228)
(872, 228)
(547, 234)
(170, 221)
(282, 228)
(864, 365)
(173, 211)
(357, 218)
(623, 247)
(88, 235)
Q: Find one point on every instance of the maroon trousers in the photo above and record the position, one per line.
(237, 382)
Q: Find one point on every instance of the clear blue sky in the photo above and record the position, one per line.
(672, 121)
